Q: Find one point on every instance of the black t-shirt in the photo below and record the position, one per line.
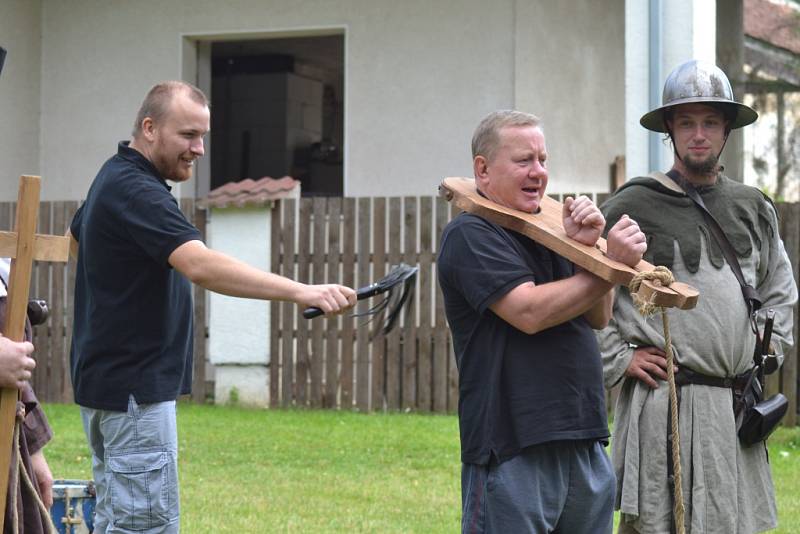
(133, 312)
(515, 389)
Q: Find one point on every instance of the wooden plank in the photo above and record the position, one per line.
(452, 378)
(546, 228)
(409, 401)
(393, 356)
(14, 327)
(71, 208)
(59, 362)
(303, 359)
(618, 173)
(332, 352)
(288, 313)
(348, 279)
(452, 366)
(46, 247)
(319, 326)
(378, 272)
(362, 394)
(199, 382)
(5, 216)
(275, 308)
(790, 232)
(440, 352)
(424, 332)
(44, 383)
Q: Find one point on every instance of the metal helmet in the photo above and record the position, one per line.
(696, 82)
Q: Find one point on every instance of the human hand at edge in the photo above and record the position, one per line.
(332, 299)
(44, 477)
(16, 365)
(648, 362)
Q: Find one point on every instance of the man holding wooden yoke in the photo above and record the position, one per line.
(532, 410)
(132, 342)
(726, 484)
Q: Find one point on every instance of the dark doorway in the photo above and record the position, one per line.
(277, 110)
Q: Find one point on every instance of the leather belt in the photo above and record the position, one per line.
(687, 376)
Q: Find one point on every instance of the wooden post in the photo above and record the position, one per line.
(23, 246)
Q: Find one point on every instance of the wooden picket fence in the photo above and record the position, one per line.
(339, 363)
(343, 362)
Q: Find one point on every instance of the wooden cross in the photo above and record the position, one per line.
(22, 246)
(546, 228)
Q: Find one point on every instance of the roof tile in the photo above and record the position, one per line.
(249, 192)
(773, 23)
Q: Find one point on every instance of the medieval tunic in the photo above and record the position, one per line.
(727, 487)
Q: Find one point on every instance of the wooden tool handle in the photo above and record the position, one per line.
(547, 229)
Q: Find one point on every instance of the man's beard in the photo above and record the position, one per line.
(707, 166)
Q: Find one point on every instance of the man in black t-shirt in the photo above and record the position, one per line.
(531, 410)
(131, 351)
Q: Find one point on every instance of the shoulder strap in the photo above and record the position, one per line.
(666, 181)
(750, 294)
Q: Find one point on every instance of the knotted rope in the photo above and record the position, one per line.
(19, 469)
(663, 276)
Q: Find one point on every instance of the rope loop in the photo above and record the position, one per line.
(661, 275)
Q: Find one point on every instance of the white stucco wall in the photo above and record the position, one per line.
(570, 71)
(238, 339)
(20, 34)
(419, 75)
(239, 325)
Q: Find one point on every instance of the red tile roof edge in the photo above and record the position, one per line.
(249, 192)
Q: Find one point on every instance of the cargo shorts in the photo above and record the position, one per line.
(135, 468)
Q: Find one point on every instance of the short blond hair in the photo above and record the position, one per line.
(486, 139)
(156, 103)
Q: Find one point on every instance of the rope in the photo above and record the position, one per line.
(19, 469)
(663, 275)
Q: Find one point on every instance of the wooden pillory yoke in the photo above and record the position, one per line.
(23, 246)
(651, 287)
(547, 229)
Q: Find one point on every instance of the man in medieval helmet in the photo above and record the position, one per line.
(726, 483)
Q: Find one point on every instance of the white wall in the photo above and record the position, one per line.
(20, 34)
(570, 71)
(419, 76)
(238, 343)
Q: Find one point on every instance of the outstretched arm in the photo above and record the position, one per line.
(224, 274)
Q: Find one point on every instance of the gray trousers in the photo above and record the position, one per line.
(135, 468)
(560, 487)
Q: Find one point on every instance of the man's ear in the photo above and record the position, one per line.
(148, 128)
(480, 168)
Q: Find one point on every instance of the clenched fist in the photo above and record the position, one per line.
(626, 242)
(582, 220)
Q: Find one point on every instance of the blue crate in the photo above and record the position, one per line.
(73, 506)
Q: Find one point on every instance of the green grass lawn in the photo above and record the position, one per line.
(311, 471)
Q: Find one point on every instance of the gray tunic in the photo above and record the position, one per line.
(727, 488)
